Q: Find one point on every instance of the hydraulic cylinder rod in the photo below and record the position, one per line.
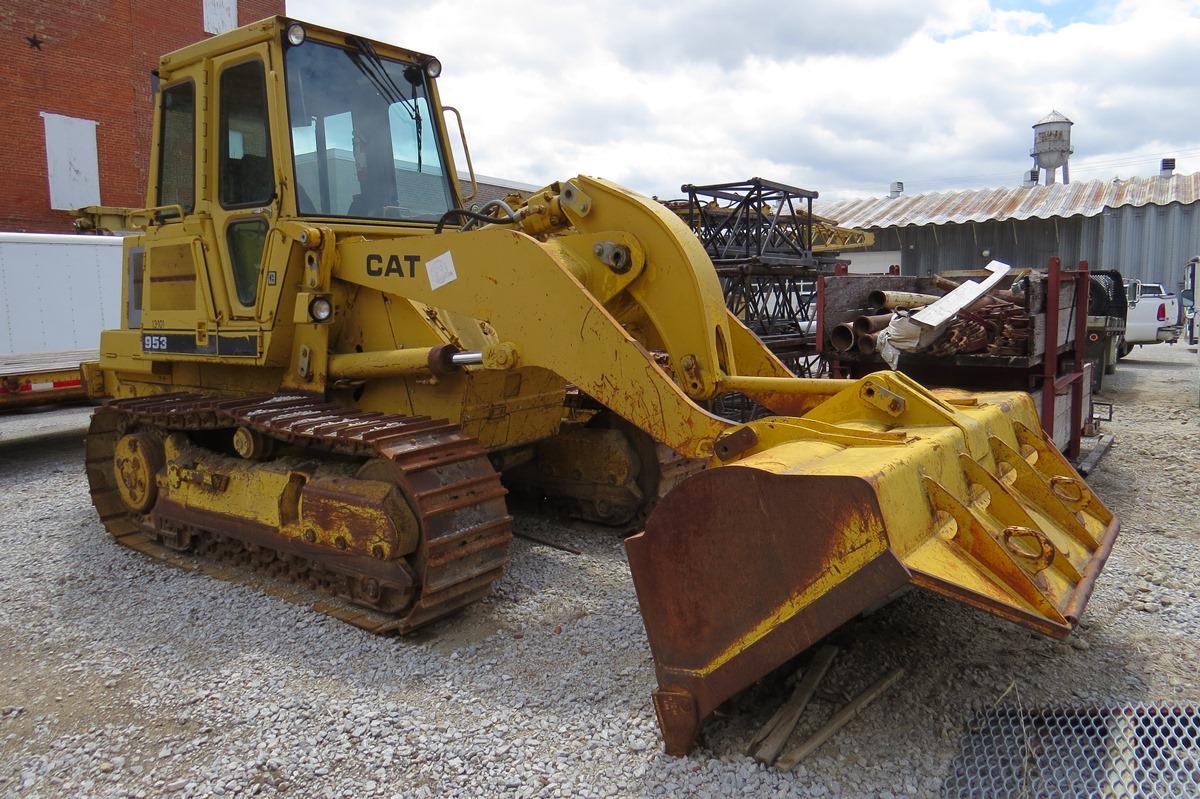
(440, 360)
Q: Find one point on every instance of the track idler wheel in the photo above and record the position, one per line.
(253, 445)
(137, 459)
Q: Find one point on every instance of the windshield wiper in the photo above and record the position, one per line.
(381, 79)
(379, 87)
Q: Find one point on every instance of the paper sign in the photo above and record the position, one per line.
(441, 270)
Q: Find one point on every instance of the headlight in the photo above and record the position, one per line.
(433, 67)
(320, 309)
(295, 34)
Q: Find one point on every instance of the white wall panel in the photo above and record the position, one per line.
(71, 162)
(220, 15)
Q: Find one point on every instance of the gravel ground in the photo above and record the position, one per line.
(123, 677)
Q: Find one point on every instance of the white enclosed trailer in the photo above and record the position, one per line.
(57, 292)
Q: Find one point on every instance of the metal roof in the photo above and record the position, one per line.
(1088, 198)
(1053, 116)
(491, 188)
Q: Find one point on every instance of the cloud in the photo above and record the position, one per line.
(843, 98)
(714, 31)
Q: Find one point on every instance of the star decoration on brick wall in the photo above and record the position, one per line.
(35, 41)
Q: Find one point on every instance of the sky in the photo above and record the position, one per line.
(842, 97)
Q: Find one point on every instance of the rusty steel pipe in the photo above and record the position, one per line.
(842, 337)
(866, 343)
(900, 299)
(946, 284)
(872, 324)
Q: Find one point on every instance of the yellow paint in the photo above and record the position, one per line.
(324, 504)
(935, 461)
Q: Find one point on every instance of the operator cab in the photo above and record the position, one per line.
(272, 121)
(364, 143)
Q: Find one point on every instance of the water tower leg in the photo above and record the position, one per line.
(1066, 174)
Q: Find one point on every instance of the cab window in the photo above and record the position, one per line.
(247, 177)
(246, 238)
(177, 147)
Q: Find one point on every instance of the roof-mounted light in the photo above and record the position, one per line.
(295, 34)
(433, 67)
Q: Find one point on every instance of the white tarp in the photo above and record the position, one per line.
(220, 16)
(71, 162)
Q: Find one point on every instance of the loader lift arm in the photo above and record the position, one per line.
(527, 289)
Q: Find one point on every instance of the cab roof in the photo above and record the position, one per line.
(271, 29)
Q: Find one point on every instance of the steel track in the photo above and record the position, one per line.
(445, 475)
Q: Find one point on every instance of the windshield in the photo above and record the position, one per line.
(363, 137)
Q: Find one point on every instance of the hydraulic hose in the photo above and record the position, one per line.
(461, 212)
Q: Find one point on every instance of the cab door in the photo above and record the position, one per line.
(246, 195)
(168, 294)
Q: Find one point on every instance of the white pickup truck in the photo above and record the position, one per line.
(1153, 316)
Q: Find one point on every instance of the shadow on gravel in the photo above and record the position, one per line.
(1146, 363)
(19, 455)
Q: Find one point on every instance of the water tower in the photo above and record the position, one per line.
(1052, 146)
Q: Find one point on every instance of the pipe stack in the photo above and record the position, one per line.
(996, 323)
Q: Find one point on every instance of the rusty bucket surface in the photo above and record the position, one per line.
(822, 517)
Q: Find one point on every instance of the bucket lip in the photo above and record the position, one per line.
(1087, 583)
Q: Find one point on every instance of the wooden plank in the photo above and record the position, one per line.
(1098, 451)
(838, 720)
(770, 740)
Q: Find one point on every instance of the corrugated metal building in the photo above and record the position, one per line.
(491, 188)
(1145, 227)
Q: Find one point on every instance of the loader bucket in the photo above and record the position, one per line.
(810, 521)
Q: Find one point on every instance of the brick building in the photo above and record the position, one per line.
(77, 103)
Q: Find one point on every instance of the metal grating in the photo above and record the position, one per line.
(1009, 752)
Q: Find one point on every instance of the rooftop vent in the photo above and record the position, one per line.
(897, 189)
(1167, 169)
(1031, 178)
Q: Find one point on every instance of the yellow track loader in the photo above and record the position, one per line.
(327, 365)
